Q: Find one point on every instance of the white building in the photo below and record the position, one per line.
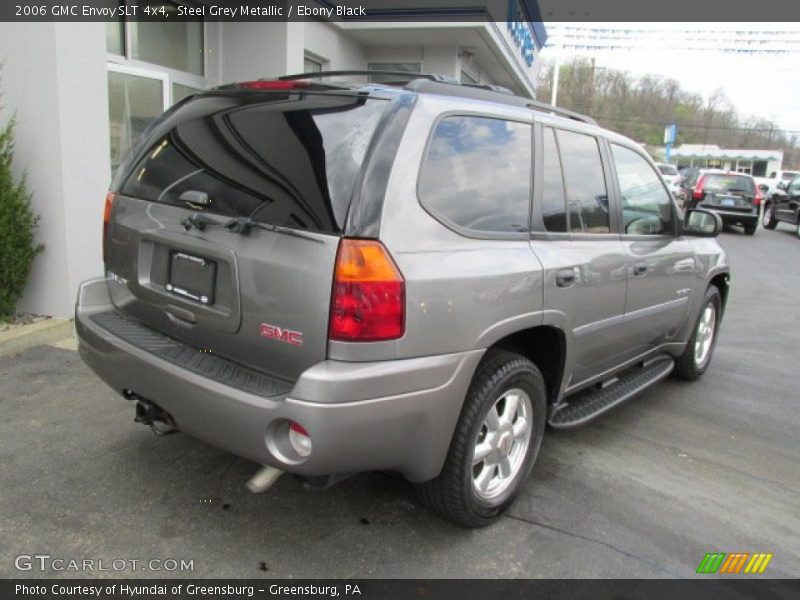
(759, 163)
(83, 91)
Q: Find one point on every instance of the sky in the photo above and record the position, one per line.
(763, 85)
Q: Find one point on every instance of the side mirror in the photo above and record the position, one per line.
(781, 186)
(701, 223)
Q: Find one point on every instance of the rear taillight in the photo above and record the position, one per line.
(698, 193)
(106, 220)
(368, 303)
(757, 198)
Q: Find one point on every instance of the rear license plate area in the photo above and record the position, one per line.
(728, 201)
(192, 277)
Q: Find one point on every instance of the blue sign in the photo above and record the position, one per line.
(669, 133)
(520, 30)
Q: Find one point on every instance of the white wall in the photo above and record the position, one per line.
(327, 42)
(54, 77)
(252, 50)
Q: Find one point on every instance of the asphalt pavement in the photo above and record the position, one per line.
(681, 470)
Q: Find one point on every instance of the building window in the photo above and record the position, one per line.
(115, 37)
(312, 65)
(151, 66)
(410, 67)
(176, 45)
(180, 91)
(134, 100)
(714, 163)
(467, 78)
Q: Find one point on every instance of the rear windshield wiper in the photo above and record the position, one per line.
(240, 225)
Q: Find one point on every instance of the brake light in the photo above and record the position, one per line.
(698, 193)
(757, 198)
(106, 220)
(368, 303)
(274, 84)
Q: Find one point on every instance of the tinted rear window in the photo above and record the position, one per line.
(282, 159)
(477, 174)
(728, 183)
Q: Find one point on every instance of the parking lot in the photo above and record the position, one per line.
(681, 470)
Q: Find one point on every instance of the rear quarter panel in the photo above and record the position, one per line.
(462, 293)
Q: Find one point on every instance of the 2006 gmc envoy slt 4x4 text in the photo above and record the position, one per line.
(331, 277)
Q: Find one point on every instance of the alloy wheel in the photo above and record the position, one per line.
(502, 443)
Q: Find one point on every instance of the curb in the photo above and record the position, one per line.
(36, 334)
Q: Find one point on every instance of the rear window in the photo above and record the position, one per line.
(284, 160)
(728, 183)
(477, 174)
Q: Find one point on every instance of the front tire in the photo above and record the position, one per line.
(495, 444)
(697, 356)
(768, 219)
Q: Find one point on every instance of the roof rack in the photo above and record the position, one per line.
(404, 74)
(449, 86)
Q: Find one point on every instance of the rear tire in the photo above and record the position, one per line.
(696, 358)
(751, 229)
(492, 453)
(768, 219)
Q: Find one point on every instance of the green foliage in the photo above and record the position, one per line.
(18, 224)
(640, 107)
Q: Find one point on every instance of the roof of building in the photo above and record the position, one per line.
(714, 151)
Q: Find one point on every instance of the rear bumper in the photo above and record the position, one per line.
(732, 216)
(361, 416)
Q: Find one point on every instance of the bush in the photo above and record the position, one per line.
(18, 224)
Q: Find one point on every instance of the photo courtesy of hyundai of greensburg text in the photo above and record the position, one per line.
(407, 299)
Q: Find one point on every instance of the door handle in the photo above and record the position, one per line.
(640, 269)
(567, 277)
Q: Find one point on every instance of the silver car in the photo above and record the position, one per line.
(328, 278)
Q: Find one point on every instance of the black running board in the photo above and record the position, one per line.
(590, 404)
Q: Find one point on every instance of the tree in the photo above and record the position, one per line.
(640, 107)
(18, 224)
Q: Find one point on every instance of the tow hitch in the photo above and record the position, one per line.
(147, 413)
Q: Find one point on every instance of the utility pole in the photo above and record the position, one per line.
(556, 70)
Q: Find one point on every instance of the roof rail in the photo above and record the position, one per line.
(442, 84)
(562, 112)
(404, 74)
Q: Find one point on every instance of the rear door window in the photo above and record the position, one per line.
(284, 160)
(587, 196)
(476, 174)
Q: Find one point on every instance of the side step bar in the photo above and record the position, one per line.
(590, 404)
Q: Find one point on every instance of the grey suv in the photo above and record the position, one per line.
(328, 278)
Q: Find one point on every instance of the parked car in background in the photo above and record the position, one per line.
(733, 196)
(783, 206)
(330, 278)
(672, 177)
(668, 172)
(774, 179)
